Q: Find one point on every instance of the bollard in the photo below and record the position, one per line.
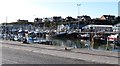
(66, 48)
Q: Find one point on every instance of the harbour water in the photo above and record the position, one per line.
(81, 44)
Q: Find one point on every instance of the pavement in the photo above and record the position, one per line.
(103, 57)
(12, 56)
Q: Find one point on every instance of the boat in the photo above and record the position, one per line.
(84, 36)
(60, 34)
(114, 38)
(100, 39)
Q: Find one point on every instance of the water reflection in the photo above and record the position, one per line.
(75, 43)
(82, 44)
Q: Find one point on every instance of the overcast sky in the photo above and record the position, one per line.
(29, 9)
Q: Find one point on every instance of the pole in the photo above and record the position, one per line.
(78, 8)
(78, 15)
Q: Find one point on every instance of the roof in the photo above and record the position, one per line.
(87, 17)
(108, 15)
(98, 26)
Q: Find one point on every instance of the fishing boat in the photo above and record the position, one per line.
(115, 39)
(84, 36)
(60, 34)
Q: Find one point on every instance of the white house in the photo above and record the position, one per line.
(99, 27)
(62, 27)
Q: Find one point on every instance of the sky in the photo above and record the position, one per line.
(30, 9)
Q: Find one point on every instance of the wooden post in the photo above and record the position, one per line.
(107, 45)
(92, 40)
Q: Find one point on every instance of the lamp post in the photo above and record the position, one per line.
(78, 15)
(34, 25)
(78, 8)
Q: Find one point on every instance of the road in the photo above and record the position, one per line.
(16, 56)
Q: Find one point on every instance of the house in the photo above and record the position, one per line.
(38, 20)
(22, 20)
(104, 20)
(57, 19)
(84, 18)
(69, 18)
(108, 17)
(118, 18)
(52, 19)
(46, 19)
(98, 21)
